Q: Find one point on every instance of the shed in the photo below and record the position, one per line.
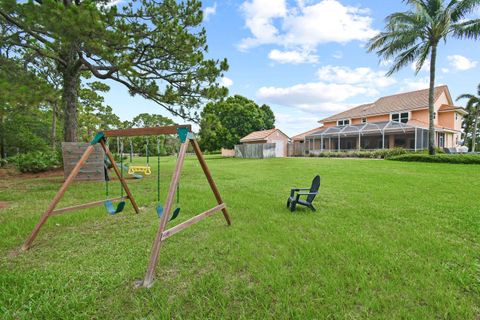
(271, 136)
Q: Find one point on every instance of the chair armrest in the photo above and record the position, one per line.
(293, 190)
(304, 194)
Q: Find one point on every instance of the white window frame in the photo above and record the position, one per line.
(364, 120)
(343, 122)
(399, 116)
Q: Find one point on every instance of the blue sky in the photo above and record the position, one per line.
(307, 58)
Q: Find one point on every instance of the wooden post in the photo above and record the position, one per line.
(119, 175)
(148, 281)
(57, 197)
(205, 169)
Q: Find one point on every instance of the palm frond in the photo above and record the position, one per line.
(399, 43)
(465, 96)
(469, 29)
(423, 53)
(463, 8)
(405, 58)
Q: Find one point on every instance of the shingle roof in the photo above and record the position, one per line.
(260, 135)
(398, 102)
(449, 108)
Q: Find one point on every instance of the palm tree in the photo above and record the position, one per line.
(473, 108)
(414, 36)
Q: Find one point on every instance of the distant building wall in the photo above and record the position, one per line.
(228, 152)
(255, 150)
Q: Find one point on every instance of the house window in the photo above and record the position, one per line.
(344, 122)
(399, 117)
(456, 116)
(434, 115)
(364, 120)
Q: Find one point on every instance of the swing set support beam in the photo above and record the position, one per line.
(83, 206)
(162, 233)
(153, 131)
(50, 211)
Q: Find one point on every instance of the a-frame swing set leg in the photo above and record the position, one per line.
(163, 234)
(148, 281)
(58, 196)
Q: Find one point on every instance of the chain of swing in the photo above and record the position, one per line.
(111, 209)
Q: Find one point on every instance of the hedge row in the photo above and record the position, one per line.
(439, 158)
(37, 161)
(376, 154)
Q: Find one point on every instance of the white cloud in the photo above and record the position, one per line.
(110, 4)
(336, 85)
(337, 55)
(363, 76)
(294, 57)
(327, 21)
(414, 84)
(293, 123)
(461, 63)
(314, 96)
(209, 11)
(259, 19)
(386, 63)
(226, 82)
(305, 25)
(445, 70)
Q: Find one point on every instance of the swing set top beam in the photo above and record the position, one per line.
(152, 131)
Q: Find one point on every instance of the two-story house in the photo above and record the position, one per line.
(399, 120)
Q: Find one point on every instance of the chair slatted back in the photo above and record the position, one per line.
(314, 189)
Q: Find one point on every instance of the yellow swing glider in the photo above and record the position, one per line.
(142, 169)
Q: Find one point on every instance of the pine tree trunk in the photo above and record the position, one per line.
(475, 126)
(54, 124)
(71, 82)
(3, 154)
(431, 110)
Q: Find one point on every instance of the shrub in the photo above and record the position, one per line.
(376, 154)
(3, 162)
(439, 158)
(37, 161)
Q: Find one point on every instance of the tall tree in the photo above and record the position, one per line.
(23, 96)
(224, 123)
(154, 48)
(94, 115)
(414, 36)
(470, 122)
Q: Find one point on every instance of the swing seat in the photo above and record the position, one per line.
(135, 175)
(111, 208)
(175, 214)
(160, 212)
(142, 169)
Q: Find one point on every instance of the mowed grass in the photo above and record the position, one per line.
(390, 240)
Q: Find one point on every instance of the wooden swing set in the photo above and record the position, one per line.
(186, 136)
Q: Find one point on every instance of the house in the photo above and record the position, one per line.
(399, 120)
(274, 143)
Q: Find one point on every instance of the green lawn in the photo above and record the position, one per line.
(390, 240)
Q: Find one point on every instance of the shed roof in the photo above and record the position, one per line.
(260, 135)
